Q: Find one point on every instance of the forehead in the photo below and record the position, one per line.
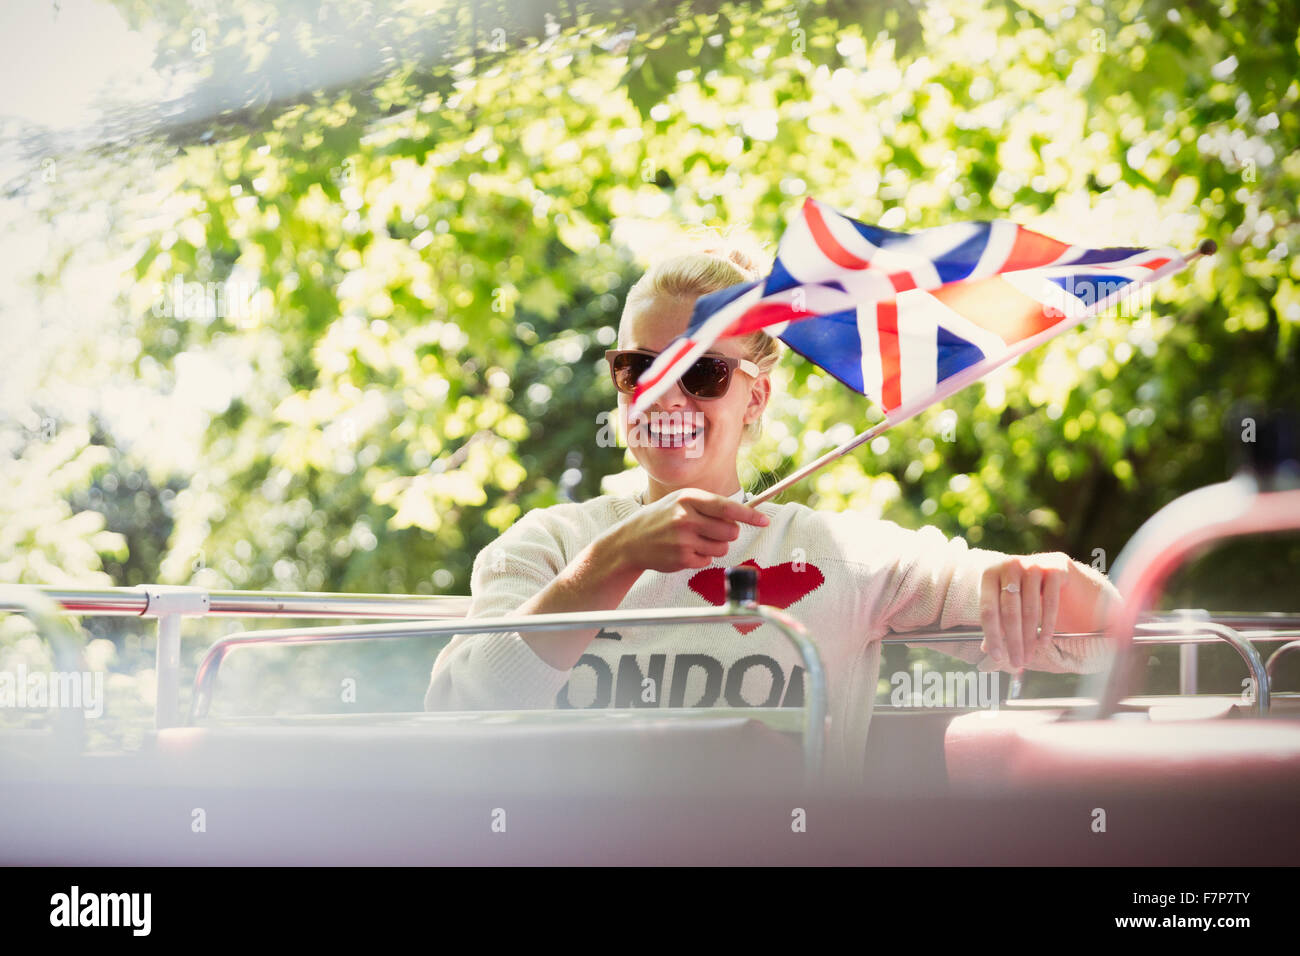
(653, 323)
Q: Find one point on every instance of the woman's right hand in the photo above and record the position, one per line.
(687, 528)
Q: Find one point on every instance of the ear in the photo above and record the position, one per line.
(759, 393)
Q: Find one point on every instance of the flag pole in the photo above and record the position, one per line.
(1207, 247)
(830, 456)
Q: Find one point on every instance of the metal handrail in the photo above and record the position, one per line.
(148, 601)
(1273, 658)
(1259, 625)
(1174, 631)
(1171, 632)
(135, 602)
(1258, 673)
(815, 704)
(957, 635)
(1175, 534)
(168, 604)
(142, 601)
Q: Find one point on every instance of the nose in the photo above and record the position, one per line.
(675, 397)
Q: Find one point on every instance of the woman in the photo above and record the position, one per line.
(847, 577)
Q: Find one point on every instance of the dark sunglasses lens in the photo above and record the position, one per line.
(707, 378)
(628, 368)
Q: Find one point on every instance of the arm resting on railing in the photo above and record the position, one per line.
(973, 595)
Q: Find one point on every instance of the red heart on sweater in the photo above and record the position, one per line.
(779, 585)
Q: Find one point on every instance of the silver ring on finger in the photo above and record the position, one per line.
(1012, 588)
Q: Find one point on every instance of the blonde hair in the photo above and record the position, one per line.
(710, 265)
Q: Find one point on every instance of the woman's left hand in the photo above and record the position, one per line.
(1050, 591)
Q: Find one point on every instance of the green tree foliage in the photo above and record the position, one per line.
(384, 302)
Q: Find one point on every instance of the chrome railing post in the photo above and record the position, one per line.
(1188, 654)
(1271, 668)
(169, 604)
(815, 707)
(1254, 663)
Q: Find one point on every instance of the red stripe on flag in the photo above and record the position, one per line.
(826, 242)
(1155, 263)
(1031, 250)
(902, 281)
(890, 366)
(764, 314)
(680, 350)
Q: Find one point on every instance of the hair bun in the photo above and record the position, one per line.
(741, 258)
(738, 254)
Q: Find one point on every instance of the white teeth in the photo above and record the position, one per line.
(674, 432)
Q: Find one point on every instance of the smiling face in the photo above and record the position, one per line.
(707, 460)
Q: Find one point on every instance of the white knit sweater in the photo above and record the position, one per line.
(849, 578)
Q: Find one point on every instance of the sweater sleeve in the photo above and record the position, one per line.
(934, 583)
(499, 670)
(937, 586)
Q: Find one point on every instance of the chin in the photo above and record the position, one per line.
(674, 467)
(673, 473)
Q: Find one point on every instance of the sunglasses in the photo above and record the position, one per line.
(707, 379)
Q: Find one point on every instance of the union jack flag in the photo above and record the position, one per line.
(909, 318)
